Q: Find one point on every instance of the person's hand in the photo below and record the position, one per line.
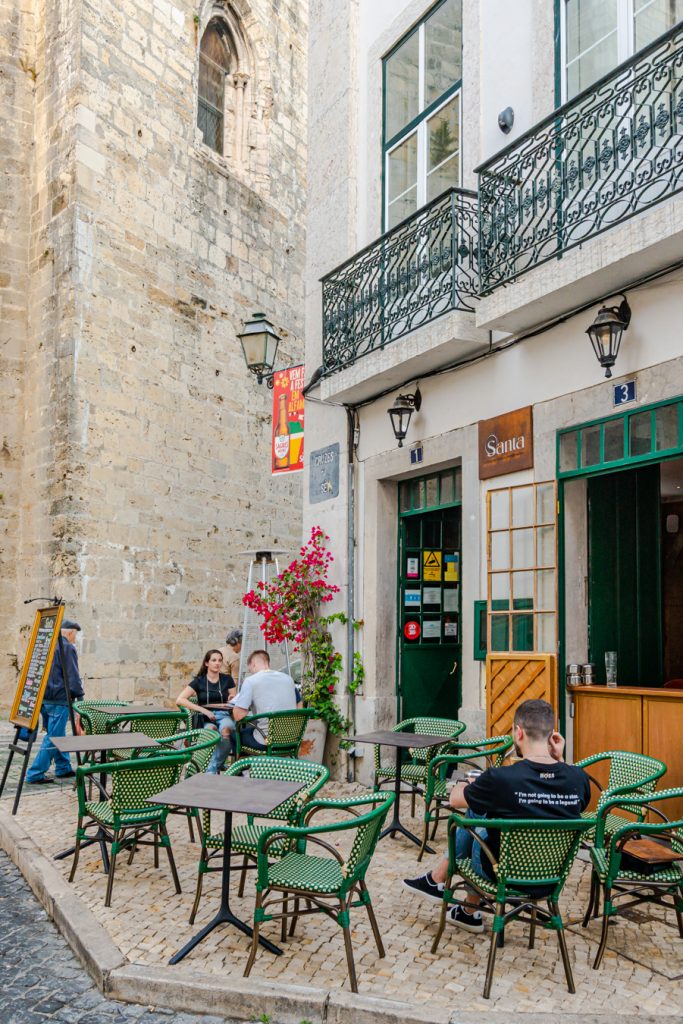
(556, 745)
(210, 715)
(232, 692)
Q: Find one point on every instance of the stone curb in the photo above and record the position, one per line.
(244, 999)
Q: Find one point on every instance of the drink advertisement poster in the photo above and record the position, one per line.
(288, 421)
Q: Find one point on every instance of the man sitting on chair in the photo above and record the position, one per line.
(263, 691)
(540, 785)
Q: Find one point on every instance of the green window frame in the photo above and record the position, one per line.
(644, 434)
(427, 493)
(480, 647)
(421, 143)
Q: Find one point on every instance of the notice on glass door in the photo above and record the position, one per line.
(450, 600)
(431, 595)
(413, 568)
(431, 630)
(411, 598)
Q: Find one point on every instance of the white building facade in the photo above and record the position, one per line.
(484, 177)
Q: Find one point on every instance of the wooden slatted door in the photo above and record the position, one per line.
(513, 678)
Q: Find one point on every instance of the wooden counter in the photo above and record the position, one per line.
(647, 721)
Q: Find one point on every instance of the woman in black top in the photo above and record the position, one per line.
(211, 686)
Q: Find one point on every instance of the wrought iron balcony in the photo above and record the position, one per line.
(613, 151)
(422, 268)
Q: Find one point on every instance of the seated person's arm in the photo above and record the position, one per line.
(183, 701)
(232, 689)
(457, 797)
(556, 746)
(242, 705)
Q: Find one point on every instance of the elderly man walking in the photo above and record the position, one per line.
(55, 710)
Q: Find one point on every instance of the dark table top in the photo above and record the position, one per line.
(399, 739)
(227, 793)
(116, 710)
(106, 741)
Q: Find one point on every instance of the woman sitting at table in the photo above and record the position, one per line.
(210, 687)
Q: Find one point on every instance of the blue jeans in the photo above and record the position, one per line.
(55, 717)
(224, 746)
(465, 845)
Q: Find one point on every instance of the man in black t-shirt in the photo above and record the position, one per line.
(540, 785)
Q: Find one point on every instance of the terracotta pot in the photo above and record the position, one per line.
(313, 744)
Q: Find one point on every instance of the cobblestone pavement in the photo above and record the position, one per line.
(40, 978)
(641, 973)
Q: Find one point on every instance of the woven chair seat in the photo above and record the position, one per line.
(245, 840)
(612, 823)
(600, 864)
(103, 812)
(409, 772)
(303, 871)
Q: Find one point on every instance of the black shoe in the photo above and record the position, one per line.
(39, 782)
(425, 886)
(67, 775)
(470, 922)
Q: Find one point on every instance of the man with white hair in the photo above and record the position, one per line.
(55, 709)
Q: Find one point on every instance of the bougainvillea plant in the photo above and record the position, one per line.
(290, 607)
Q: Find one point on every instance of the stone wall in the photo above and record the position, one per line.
(146, 458)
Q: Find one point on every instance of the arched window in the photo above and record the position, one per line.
(216, 59)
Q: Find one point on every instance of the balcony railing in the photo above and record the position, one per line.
(610, 153)
(422, 268)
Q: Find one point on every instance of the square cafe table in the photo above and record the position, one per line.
(401, 741)
(129, 710)
(230, 795)
(92, 744)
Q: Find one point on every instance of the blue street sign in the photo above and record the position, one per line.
(625, 392)
(415, 455)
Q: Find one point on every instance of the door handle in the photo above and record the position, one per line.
(454, 669)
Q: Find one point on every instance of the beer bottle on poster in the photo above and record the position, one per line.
(281, 443)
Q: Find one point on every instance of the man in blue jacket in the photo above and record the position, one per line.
(55, 709)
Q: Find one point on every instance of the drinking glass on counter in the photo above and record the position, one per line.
(611, 668)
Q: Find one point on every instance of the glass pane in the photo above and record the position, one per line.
(458, 483)
(500, 591)
(522, 590)
(444, 177)
(402, 95)
(523, 506)
(666, 427)
(545, 590)
(569, 451)
(404, 497)
(500, 550)
(522, 549)
(545, 545)
(546, 634)
(402, 172)
(640, 440)
(443, 49)
(590, 446)
(418, 493)
(432, 491)
(592, 65)
(451, 532)
(211, 83)
(500, 637)
(613, 434)
(500, 510)
(588, 21)
(523, 632)
(412, 532)
(443, 132)
(447, 489)
(653, 17)
(431, 534)
(545, 503)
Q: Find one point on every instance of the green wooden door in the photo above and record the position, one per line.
(429, 613)
(624, 574)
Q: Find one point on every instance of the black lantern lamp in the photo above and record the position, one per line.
(259, 341)
(400, 414)
(605, 333)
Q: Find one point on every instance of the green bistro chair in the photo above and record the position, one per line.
(535, 859)
(200, 744)
(245, 837)
(126, 820)
(158, 725)
(486, 753)
(628, 773)
(414, 771)
(330, 884)
(619, 881)
(285, 732)
(93, 720)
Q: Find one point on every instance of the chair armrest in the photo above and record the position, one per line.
(311, 807)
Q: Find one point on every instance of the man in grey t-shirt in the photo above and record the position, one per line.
(263, 691)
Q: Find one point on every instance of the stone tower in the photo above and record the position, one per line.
(151, 199)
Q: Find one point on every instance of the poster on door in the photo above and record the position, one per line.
(287, 455)
(431, 562)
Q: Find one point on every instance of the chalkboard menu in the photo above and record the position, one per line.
(35, 671)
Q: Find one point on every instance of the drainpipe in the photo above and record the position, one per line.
(350, 594)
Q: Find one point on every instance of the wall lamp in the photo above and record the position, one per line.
(400, 414)
(605, 333)
(259, 341)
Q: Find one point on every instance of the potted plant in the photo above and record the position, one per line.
(290, 607)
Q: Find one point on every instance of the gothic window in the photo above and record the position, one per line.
(215, 64)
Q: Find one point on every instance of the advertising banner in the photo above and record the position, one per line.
(287, 454)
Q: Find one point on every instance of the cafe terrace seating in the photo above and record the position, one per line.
(200, 744)
(628, 773)
(486, 753)
(125, 819)
(245, 837)
(414, 772)
(536, 856)
(157, 724)
(619, 876)
(285, 732)
(330, 884)
(93, 720)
